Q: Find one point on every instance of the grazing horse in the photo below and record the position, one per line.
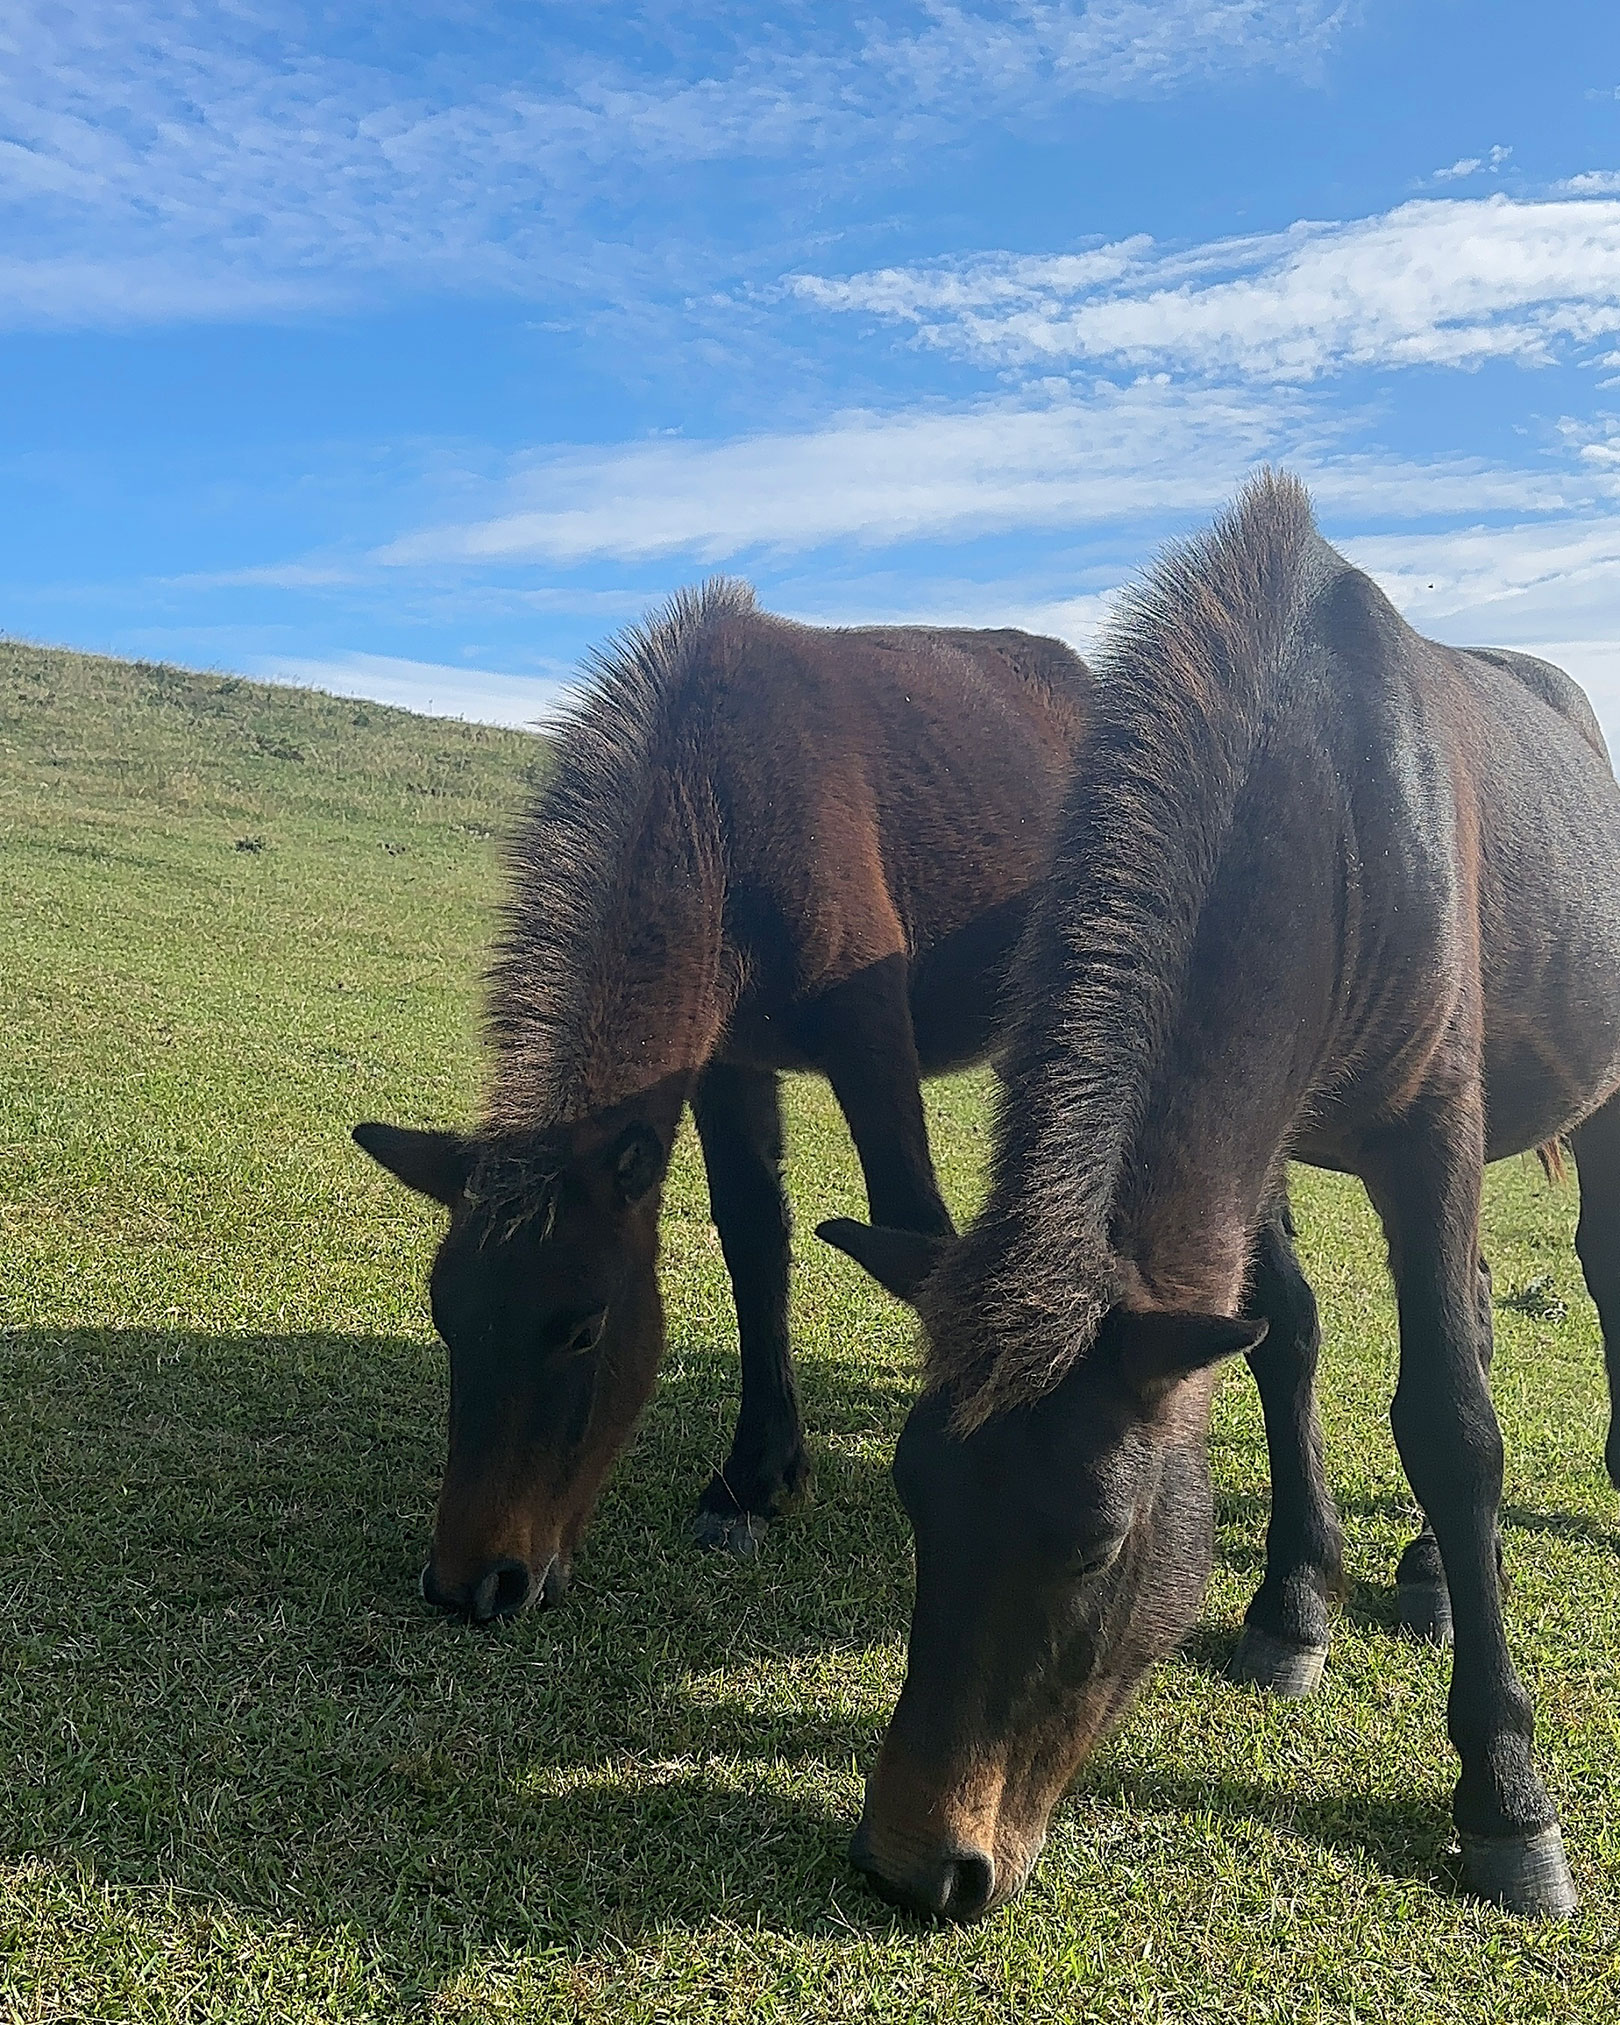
(761, 846)
(1323, 890)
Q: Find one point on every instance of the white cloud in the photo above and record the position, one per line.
(436, 690)
(868, 478)
(87, 290)
(1038, 605)
(1470, 165)
(1593, 183)
(1508, 586)
(1028, 55)
(286, 576)
(1441, 282)
(1052, 460)
(160, 161)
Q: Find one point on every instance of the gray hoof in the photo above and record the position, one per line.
(739, 1533)
(1527, 1874)
(1425, 1611)
(1276, 1664)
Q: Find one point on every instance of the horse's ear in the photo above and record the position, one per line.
(438, 1164)
(1156, 1349)
(897, 1259)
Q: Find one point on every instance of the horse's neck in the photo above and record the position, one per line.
(1221, 1110)
(1186, 1227)
(632, 1027)
(656, 1024)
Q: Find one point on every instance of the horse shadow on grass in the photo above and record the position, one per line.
(1408, 1838)
(1240, 1520)
(209, 1548)
(1565, 1525)
(1371, 1604)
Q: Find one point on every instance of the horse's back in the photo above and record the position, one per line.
(1445, 738)
(930, 759)
(890, 792)
(1487, 824)
(1560, 692)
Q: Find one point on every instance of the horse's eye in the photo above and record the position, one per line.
(1095, 1558)
(577, 1333)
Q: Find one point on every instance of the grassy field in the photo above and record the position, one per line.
(248, 1775)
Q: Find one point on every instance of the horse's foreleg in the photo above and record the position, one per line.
(859, 1035)
(739, 1121)
(1597, 1240)
(1425, 1184)
(1285, 1628)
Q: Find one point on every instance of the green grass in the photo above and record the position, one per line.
(249, 1776)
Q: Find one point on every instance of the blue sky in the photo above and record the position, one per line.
(411, 349)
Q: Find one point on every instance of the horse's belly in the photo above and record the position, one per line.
(1552, 1011)
(1542, 1078)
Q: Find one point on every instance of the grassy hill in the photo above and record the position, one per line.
(250, 1776)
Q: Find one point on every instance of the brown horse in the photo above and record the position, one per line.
(1324, 890)
(762, 846)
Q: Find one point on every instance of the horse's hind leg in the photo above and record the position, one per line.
(859, 1035)
(1422, 1601)
(1285, 1628)
(1425, 1184)
(1597, 1241)
(739, 1121)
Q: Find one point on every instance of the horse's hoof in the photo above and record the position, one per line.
(1276, 1664)
(1527, 1874)
(738, 1533)
(1425, 1611)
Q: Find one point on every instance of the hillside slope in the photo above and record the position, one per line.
(251, 1777)
(127, 743)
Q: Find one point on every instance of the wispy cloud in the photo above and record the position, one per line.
(1512, 585)
(437, 690)
(1111, 456)
(157, 161)
(1435, 283)
(284, 576)
(864, 478)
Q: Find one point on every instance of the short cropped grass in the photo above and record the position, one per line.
(248, 1775)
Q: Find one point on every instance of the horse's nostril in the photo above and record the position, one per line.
(959, 1886)
(502, 1591)
(969, 1883)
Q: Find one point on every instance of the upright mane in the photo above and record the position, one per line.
(571, 865)
(1185, 676)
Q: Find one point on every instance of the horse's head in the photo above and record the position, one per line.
(545, 1291)
(1062, 1547)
